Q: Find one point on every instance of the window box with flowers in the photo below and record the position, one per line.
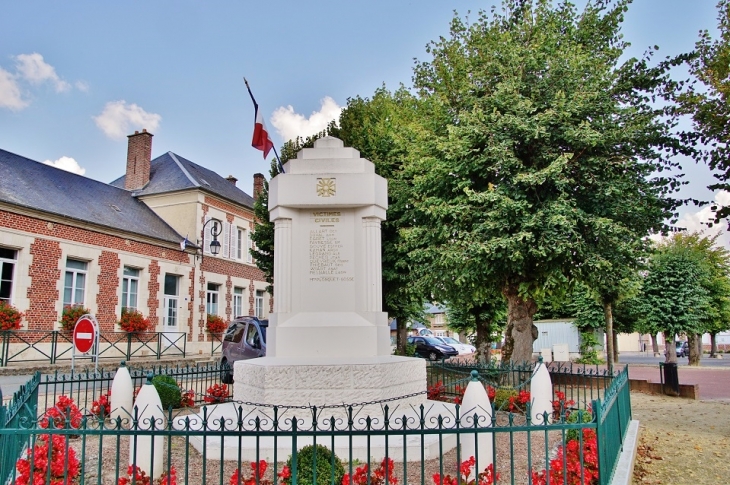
(70, 315)
(133, 321)
(10, 317)
(215, 324)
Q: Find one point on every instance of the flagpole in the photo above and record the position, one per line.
(256, 107)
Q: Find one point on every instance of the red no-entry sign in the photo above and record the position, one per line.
(84, 334)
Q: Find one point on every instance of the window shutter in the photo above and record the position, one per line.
(249, 245)
(225, 246)
(206, 235)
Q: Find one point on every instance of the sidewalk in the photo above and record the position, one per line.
(714, 382)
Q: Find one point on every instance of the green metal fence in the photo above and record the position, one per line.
(374, 443)
(613, 415)
(55, 346)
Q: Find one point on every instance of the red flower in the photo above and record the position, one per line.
(216, 393)
(64, 466)
(10, 317)
(64, 412)
(377, 477)
(487, 477)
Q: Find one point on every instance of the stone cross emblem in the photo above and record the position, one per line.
(326, 187)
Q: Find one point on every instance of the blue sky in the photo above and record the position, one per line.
(77, 77)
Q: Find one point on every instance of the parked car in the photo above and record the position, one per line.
(432, 348)
(462, 348)
(245, 338)
(682, 349)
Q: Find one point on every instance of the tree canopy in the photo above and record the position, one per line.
(542, 159)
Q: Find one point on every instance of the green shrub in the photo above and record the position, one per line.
(574, 434)
(588, 349)
(169, 391)
(502, 395)
(305, 460)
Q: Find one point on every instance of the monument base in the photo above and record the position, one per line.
(330, 382)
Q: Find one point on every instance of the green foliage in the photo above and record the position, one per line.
(410, 350)
(675, 298)
(541, 157)
(502, 397)
(486, 320)
(708, 101)
(589, 349)
(580, 415)
(169, 391)
(306, 465)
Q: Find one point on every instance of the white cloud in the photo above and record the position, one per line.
(120, 119)
(10, 92)
(34, 69)
(68, 164)
(697, 221)
(82, 86)
(290, 124)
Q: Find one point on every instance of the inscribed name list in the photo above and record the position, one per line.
(330, 260)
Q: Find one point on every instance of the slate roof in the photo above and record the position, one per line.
(27, 183)
(171, 172)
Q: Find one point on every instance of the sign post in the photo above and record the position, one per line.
(85, 339)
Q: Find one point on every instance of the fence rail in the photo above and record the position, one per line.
(373, 443)
(56, 346)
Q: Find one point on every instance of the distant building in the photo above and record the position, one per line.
(69, 240)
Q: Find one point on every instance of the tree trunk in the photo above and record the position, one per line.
(655, 345)
(521, 332)
(615, 347)
(695, 353)
(482, 343)
(401, 336)
(608, 318)
(670, 350)
(713, 345)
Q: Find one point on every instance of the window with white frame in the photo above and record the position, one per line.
(212, 298)
(74, 283)
(240, 238)
(259, 304)
(8, 259)
(130, 288)
(172, 290)
(237, 302)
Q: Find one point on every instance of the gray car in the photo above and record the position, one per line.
(244, 339)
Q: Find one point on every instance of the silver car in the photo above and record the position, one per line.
(244, 339)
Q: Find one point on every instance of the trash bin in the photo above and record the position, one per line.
(669, 377)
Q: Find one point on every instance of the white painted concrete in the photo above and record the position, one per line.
(122, 398)
(149, 413)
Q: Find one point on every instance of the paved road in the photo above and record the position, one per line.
(10, 384)
(649, 359)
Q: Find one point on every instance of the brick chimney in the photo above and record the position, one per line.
(258, 184)
(232, 179)
(139, 154)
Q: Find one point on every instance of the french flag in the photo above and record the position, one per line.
(261, 140)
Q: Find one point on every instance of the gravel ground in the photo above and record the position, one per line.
(682, 441)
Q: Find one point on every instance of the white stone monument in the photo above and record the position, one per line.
(328, 340)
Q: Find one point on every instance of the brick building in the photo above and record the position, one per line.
(66, 239)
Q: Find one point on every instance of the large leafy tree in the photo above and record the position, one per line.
(385, 129)
(543, 151)
(708, 100)
(675, 298)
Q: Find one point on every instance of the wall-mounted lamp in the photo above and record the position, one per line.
(215, 245)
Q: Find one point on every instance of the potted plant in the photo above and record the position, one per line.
(133, 321)
(10, 317)
(215, 324)
(69, 316)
